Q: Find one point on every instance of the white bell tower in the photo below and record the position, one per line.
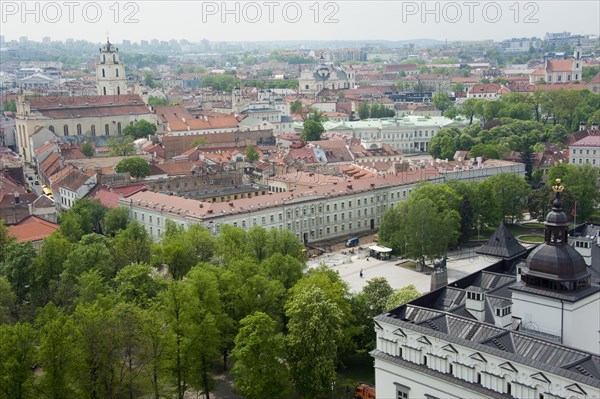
(110, 72)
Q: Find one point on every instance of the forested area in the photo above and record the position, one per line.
(114, 315)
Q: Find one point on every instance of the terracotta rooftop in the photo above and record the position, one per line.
(560, 66)
(177, 119)
(32, 229)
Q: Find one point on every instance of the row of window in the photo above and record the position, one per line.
(587, 151)
(92, 129)
(582, 161)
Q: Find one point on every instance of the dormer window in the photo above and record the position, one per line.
(500, 312)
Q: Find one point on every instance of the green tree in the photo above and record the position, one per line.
(10, 105)
(284, 268)
(135, 284)
(140, 129)
(364, 111)
(17, 267)
(419, 230)
(296, 107)
(57, 353)
(18, 348)
(87, 149)
(251, 153)
(580, 182)
(136, 166)
(314, 333)
(512, 191)
(71, 226)
(47, 268)
(7, 302)
(121, 145)
(98, 338)
(402, 296)
(312, 131)
(156, 344)
(157, 101)
(149, 79)
(441, 101)
(258, 371)
(5, 239)
(370, 302)
(132, 245)
(116, 219)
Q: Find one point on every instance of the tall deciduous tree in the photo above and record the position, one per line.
(17, 267)
(18, 349)
(418, 229)
(313, 337)
(115, 219)
(57, 353)
(441, 101)
(259, 370)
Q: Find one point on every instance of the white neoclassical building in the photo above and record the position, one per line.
(528, 329)
(408, 134)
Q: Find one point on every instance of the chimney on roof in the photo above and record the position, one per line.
(582, 126)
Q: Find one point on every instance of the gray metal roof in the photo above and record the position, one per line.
(502, 244)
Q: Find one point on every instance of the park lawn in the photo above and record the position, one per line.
(533, 225)
(531, 238)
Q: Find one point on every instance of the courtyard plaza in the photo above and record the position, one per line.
(349, 265)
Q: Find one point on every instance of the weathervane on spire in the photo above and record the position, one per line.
(558, 188)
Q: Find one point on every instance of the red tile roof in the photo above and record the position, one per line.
(32, 229)
(71, 107)
(560, 66)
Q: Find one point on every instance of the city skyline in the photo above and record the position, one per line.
(294, 21)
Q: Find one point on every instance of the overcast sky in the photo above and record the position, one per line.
(296, 20)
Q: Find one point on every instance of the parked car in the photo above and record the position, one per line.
(353, 242)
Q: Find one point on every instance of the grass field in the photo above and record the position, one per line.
(531, 238)
(533, 225)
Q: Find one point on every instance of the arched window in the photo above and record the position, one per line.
(51, 128)
(118, 90)
(117, 72)
(103, 73)
(106, 130)
(115, 58)
(79, 129)
(103, 58)
(104, 90)
(93, 130)
(66, 130)
(119, 127)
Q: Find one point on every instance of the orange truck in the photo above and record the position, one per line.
(364, 391)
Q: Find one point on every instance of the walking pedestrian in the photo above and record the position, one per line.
(361, 273)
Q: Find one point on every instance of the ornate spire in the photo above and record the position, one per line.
(558, 188)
